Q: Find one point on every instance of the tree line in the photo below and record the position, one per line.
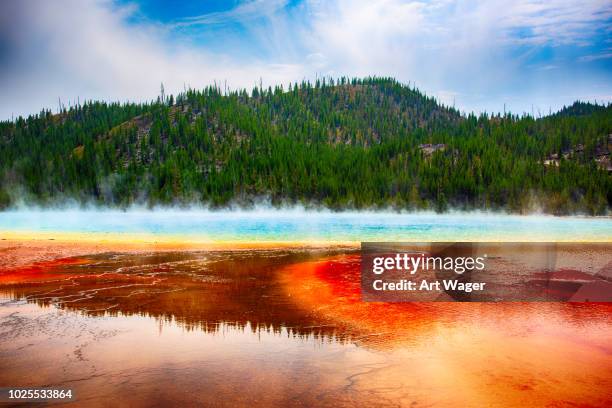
(343, 143)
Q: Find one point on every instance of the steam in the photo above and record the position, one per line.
(20, 199)
(297, 223)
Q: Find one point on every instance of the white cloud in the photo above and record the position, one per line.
(86, 49)
(476, 52)
(466, 49)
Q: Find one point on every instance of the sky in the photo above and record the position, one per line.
(478, 55)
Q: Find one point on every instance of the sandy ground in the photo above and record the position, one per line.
(19, 249)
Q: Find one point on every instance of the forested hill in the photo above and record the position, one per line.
(342, 144)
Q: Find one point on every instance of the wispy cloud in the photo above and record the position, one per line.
(547, 67)
(242, 13)
(479, 53)
(595, 57)
(554, 22)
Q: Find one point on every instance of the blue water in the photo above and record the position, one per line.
(302, 225)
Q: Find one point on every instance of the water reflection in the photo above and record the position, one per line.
(285, 328)
(197, 290)
(302, 292)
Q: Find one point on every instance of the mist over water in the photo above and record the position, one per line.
(298, 224)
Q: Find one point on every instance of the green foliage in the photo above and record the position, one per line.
(343, 144)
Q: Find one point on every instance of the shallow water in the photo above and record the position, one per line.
(285, 328)
(297, 225)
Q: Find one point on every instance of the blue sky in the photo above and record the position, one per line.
(478, 54)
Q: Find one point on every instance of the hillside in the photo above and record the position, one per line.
(342, 144)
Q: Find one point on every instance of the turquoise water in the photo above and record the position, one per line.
(298, 225)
